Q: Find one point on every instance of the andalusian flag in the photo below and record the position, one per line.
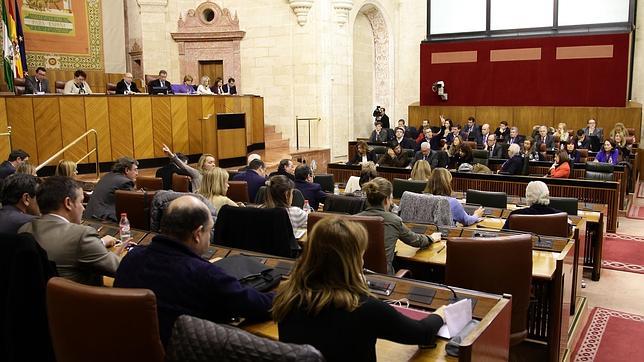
(20, 54)
(7, 50)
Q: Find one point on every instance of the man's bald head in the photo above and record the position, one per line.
(187, 219)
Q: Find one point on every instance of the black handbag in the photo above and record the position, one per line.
(250, 272)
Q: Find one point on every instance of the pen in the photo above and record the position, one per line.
(441, 249)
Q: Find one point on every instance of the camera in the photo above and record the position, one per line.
(439, 88)
(377, 111)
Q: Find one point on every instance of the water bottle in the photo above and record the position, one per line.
(124, 228)
(307, 207)
(314, 165)
(336, 189)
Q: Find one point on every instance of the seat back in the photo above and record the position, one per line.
(480, 156)
(583, 154)
(110, 88)
(19, 86)
(258, 229)
(238, 191)
(344, 204)
(59, 85)
(472, 144)
(149, 78)
(81, 324)
(374, 256)
(149, 183)
(599, 171)
(525, 168)
(494, 265)
(298, 198)
(566, 204)
(498, 200)
(136, 205)
(325, 181)
(550, 224)
(199, 340)
(408, 152)
(425, 209)
(180, 183)
(402, 185)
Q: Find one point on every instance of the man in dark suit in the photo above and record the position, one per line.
(434, 139)
(255, 177)
(404, 142)
(381, 117)
(230, 88)
(410, 132)
(484, 135)
(19, 204)
(471, 132)
(435, 158)
(101, 204)
(310, 190)
(126, 85)
(160, 85)
(544, 138)
(538, 198)
(16, 158)
(378, 134)
(78, 251)
(581, 141)
(502, 132)
(592, 130)
(38, 84)
(514, 164)
(515, 137)
(493, 148)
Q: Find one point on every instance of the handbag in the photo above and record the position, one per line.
(250, 272)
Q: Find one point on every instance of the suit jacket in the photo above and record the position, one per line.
(496, 151)
(101, 203)
(385, 121)
(312, 192)
(398, 161)
(518, 140)
(502, 135)
(471, 134)
(254, 181)
(157, 83)
(513, 165)
(230, 90)
(582, 144)
(549, 142)
(31, 86)
(435, 158)
(407, 143)
(121, 87)
(371, 156)
(6, 169)
(11, 219)
(76, 249)
(434, 142)
(166, 172)
(216, 90)
(379, 137)
(599, 132)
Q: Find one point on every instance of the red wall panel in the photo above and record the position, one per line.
(545, 82)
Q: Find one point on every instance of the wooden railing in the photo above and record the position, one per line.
(71, 144)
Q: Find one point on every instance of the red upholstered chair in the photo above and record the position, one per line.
(111, 88)
(149, 183)
(102, 324)
(238, 191)
(552, 224)
(181, 183)
(501, 265)
(136, 205)
(583, 154)
(19, 86)
(59, 86)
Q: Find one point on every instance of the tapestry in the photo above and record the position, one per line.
(63, 34)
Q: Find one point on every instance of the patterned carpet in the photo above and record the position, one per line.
(611, 335)
(623, 252)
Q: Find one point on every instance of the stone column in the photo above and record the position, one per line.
(154, 37)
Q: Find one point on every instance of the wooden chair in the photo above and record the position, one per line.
(149, 183)
(136, 205)
(238, 191)
(550, 224)
(19, 85)
(59, 86)
(110, 88)
(79, 333)
(180, 183)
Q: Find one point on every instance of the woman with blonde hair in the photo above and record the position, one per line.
(66, 168)
(619, 128)
(27, 169)
(214, 186)
(421, 171)
(279, 193)
(204, 86)
(326, 301)
(206, 162)
(562, 133)
(440, 184)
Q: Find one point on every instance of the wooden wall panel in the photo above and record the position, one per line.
(47, 124)
(5, 147)
(121, 137)
(72, 119)
(258, 116)
(179, 111)
(95, 79)
(491, 115)
(161, 124)
(228, 145)
(574, 117)
(97, 117)
(142, 127)
(20, 117)
(246, 106)
(195, 114)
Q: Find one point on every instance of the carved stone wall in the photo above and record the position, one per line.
(209, 33)
(382, 84)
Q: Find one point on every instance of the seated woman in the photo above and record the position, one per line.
(620, 144)
(608, 153)
(561, 167)
(206, 162)
(27, 169)
(363, 154)
(214, 186)
(379, 200)
(619, 128)
(421, 171)
(204, 86)
(529, 151)
(573, 154)
(326, 301)
(66, 168)
(186, 87)
(464, 155)
(279, 193)
(538, 198)
(440, 184)
(514, 164)
(394, 157)
(562, 133)
(457, 143)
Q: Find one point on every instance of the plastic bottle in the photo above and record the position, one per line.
(336, 189)
(124, 228)
(307, 207)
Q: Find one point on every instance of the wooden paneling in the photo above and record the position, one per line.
(97, 118)
(142, 127)
(120, 115)
(5, 148)
(228, 145)
(72, 119)
(246, 106)
(490, 115)
(195, 114)
(258, 113)
(161, 124)
(47, 124)
(95, 79)
(179, 110)
(574, 117)
(20, 114)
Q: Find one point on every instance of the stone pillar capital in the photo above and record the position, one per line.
(342, 9)
(301, 9)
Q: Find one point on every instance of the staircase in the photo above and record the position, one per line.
(276, 149)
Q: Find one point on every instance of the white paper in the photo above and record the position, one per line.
(352, 185)
(457, 315)
(298, 233)
(437, 236)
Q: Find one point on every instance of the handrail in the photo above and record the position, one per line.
(74, 142)
(8, 134)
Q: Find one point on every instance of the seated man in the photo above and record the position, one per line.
(544, 138)
(435, 158)
(515, 137)
(434, 139)
(494, 149)
(255, 177)
(514, 165)
(101, 203)
(19, 204)
(537, 196)
(79, 253)
(78, 85)
(160, 85)
(126, 85)
(455, 132)
(404, 142)
(378, 134)
(16, 158)
(182, 281)
(230, 88)
(581, 141)
(38, 84)
(249, 159)
(310, 190)
(285, 168)
(410, 132)
(166, 172)
(394, 157)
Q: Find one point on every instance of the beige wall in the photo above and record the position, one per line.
(113, 36)
(637, 93)
(363, 58)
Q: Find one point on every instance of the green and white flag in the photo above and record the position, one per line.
(7, 50)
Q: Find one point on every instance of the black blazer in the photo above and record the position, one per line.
(513, 165)
(121, 87)
(157, 83)
(407, 143)
(435, 158)
(518, 140)
(550, 142)
(496, 152)
(379, 137)
(371, 156)
(230, 90)
(502, 135)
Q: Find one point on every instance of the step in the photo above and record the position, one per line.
(272, 136)
(270, 145)
(269, 129)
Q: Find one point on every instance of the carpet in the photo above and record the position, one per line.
(640, 190)
(623, 252)
(611, 335)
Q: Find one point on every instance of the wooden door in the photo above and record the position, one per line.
(212, 68)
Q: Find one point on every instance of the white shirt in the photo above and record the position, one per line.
(202, 89)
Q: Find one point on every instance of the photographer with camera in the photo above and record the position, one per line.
(379, 114)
